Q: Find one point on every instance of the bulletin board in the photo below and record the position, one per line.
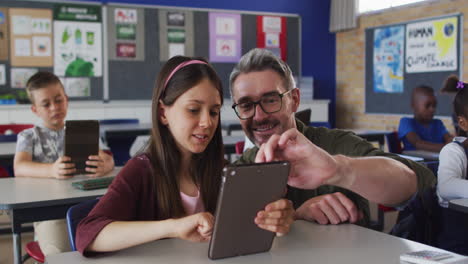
(400, 57)
(131, 52)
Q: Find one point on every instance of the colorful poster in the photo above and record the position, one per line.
(431, 46)
(176, 31)
(272, 35)
(77, 87)
(31, 37)
(388, 59)
(20, 76)
(4, 46)
(225, 37)
(2, 74)
(125, 35)
(126, 50)
(77, 41)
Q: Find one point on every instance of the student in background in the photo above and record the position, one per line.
(452, 174)
(39, 152)
(422, 131)
(171, 190)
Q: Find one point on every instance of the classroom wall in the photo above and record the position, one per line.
(318, 46)
(350, 64)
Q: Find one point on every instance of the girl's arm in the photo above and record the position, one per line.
(122, 234)
(451, 182)
(25, 167)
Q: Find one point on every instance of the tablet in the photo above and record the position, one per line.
(245, 190)
(81, 141)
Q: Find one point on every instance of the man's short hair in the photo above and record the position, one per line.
(261, 60)
(40, 80)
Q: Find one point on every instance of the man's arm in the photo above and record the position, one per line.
(378, 179)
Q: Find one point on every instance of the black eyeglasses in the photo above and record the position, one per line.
(270, 103)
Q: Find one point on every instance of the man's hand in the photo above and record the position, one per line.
(311, 166)
(334, 208)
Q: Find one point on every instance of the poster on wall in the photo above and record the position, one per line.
(388, 59)
(126, 34)
(272, 35)
(31, 37)
(3, 34)
(431, 46)
(77, 87)
(176, 34)
(20, 76)
(225, 37)
(77, 41)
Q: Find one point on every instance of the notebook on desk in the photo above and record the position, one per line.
(92, 184)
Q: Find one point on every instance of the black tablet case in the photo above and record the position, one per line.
(81, 141)
(245, 190)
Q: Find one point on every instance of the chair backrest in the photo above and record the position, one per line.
(393, 143)
(74, 216)
(240, 147)
(304, 116)
(320, 124)
(16, 128)
(119, 121)
(8, 138)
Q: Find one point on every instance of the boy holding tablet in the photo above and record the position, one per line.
(39, 152)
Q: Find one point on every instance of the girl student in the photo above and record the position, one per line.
(171, 190)
(452, 175)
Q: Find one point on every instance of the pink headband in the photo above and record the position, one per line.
(183, 64)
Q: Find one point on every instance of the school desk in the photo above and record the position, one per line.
(31, 199)
(124, 130)
(7, 150)
(372, 135)
(427, 155)
(306, 243)
(460, 205)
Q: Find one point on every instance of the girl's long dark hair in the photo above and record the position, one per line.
(205, 167)
(460, 102)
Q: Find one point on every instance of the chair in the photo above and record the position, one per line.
(33, 251)
(16, 128)
(119, 121)
(240, 147)
(74, 216)
(394, 143)
(120, 146)
(320, 124)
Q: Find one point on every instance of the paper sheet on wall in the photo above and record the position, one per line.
(77, 41)
(31, 37)
(77, 87)
(272, 35)
(20, 76)
(225, 37)
(125, 34)
(2, 74)
(431, 46)
(4, 41)
(176, 33)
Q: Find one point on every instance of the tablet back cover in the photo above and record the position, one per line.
(81, 141)
(246, 190)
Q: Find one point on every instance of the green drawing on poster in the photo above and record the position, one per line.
(79, 67)
(175, 35)
(126, 31)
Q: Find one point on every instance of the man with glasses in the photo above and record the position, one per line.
(340, 170)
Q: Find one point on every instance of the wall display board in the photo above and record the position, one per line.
(402, 56)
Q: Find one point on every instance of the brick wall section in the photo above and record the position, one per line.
(350, 62)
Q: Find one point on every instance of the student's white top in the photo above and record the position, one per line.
(452, 180)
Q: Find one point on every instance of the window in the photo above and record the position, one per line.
(375, 5)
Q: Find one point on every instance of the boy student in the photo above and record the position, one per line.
(340, 170)
(423, 131)
(39, 152)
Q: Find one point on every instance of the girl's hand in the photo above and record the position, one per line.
(277, 217)
(195, 228)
